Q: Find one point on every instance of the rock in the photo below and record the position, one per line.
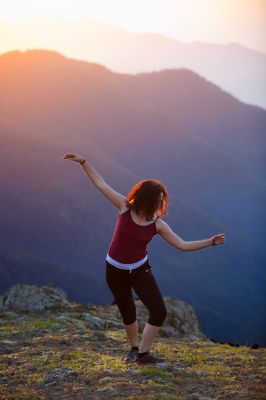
(94, 322)
(181, 320)
(194, 337)
(76, 322)
(99, 323)
(56, 326)
(59, 376)
(167, 331)
(105, 379)
(32, 297)
(163, 365)
(112, 324)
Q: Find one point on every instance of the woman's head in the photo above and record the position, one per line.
(149, 197)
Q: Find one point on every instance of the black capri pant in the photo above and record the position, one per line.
(141, 279)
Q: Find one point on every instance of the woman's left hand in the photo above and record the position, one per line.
(218, 239)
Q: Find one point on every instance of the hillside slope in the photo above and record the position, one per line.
(56, 354)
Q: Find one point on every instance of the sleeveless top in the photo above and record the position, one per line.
(128, 248)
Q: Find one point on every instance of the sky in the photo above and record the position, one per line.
(212, 21)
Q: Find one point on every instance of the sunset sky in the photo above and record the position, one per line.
(213, 21)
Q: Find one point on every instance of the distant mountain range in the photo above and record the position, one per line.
(207, 146)
(235, 68)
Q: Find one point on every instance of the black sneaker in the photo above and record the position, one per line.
(149, 359)
(131, 356)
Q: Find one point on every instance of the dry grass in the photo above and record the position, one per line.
(32, 346)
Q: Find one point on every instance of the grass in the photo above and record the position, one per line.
(32, 348)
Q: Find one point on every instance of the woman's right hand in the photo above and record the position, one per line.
(73, 157)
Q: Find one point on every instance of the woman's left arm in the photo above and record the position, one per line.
(166, 232)
(200, 244)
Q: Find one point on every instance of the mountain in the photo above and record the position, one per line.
(237, 69)
(174, 125)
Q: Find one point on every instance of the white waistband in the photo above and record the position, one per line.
(126, 266)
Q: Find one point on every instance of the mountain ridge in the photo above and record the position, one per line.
(137, 52)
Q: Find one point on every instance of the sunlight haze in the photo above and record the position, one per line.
(220, 21)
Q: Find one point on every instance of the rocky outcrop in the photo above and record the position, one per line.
(181, 321)
(32, 297)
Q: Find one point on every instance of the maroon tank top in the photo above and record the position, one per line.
(129, 242)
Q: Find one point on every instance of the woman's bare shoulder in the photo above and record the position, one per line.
(159, 223)
(124, 207)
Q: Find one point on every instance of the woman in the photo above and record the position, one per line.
(127, 263)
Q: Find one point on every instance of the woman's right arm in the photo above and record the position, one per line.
(117, 199)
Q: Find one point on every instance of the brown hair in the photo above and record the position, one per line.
(144, 197)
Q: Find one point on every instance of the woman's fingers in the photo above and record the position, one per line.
(68, 155)
(220, 237)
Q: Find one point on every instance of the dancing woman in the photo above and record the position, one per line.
(127, 264)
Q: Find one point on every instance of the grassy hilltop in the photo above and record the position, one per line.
(58, 354)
